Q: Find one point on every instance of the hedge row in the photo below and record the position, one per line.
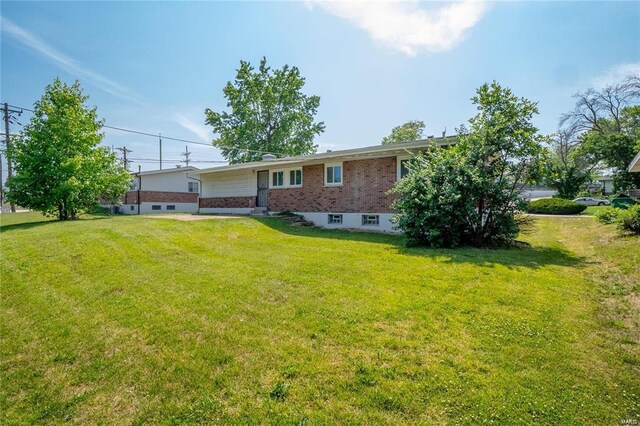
(554, 206)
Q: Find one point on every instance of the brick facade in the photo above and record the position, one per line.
(365, 186)
(160, 197)
(228, 202)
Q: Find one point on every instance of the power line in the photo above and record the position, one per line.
(137, 132)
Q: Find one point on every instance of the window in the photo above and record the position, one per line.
(333, 174)
(134, 185)
(335, 219)
(156, 207)
(402, 166)
(171, 207)
(277, 179)
(370, 219)
(193, 187)
(295, 177)
(132, 207)
(404, 169)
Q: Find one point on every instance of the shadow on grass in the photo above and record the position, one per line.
(44, 221)
(528, 257)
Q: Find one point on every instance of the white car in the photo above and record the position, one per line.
(590, 201)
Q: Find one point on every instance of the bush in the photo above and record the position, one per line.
(629, 219)
(607, 215)
(438, 200)
(469, 194)
(554, 206)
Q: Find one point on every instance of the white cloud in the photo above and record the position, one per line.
(406, 26)
(200, 130)
(616, 74)
(68, 64)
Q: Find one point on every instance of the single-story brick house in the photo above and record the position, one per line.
(338, 189)
(161, 191)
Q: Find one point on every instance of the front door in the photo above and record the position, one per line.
(263, 188)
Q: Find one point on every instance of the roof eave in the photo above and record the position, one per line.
(383, 150)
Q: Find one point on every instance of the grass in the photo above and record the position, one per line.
(141, 320)
(592, 210)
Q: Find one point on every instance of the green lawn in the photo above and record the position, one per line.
(143, 320)
(591, 210)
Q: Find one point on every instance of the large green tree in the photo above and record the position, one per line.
(407, 132)
(60, 169)
(269, 113)
(567, 168)
(608, 120)
(471, 194)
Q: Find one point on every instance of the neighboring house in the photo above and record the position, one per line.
(161, 191)
(340, 189)
(605, 183)
(634, 167)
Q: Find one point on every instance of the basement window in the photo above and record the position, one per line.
(156, 207)
(171, 207)
(370, 220)
(335, 219)
(132, 208)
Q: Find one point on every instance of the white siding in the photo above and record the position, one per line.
(242, 183)
(166, 182)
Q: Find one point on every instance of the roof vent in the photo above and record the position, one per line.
(268, 157)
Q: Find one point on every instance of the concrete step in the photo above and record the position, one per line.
(258, 211)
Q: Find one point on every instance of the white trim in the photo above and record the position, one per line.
(286, 178)
(197, 184)
(172, 170)
(271, 174)
(292, 185)
(326, 166)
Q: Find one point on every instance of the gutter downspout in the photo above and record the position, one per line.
(139, 187)
(199, 189)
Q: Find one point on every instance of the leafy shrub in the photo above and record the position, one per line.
(554, 206)
(629, 219)
(607, 215)
(468, 194)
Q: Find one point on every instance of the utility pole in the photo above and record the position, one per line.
(160, 141)
(124, 152)
(1, 187)
(7, 141)
(186, 155)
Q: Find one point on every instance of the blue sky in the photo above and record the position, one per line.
(155, 66)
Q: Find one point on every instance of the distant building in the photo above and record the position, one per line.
(162, 191)
(634, 167)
